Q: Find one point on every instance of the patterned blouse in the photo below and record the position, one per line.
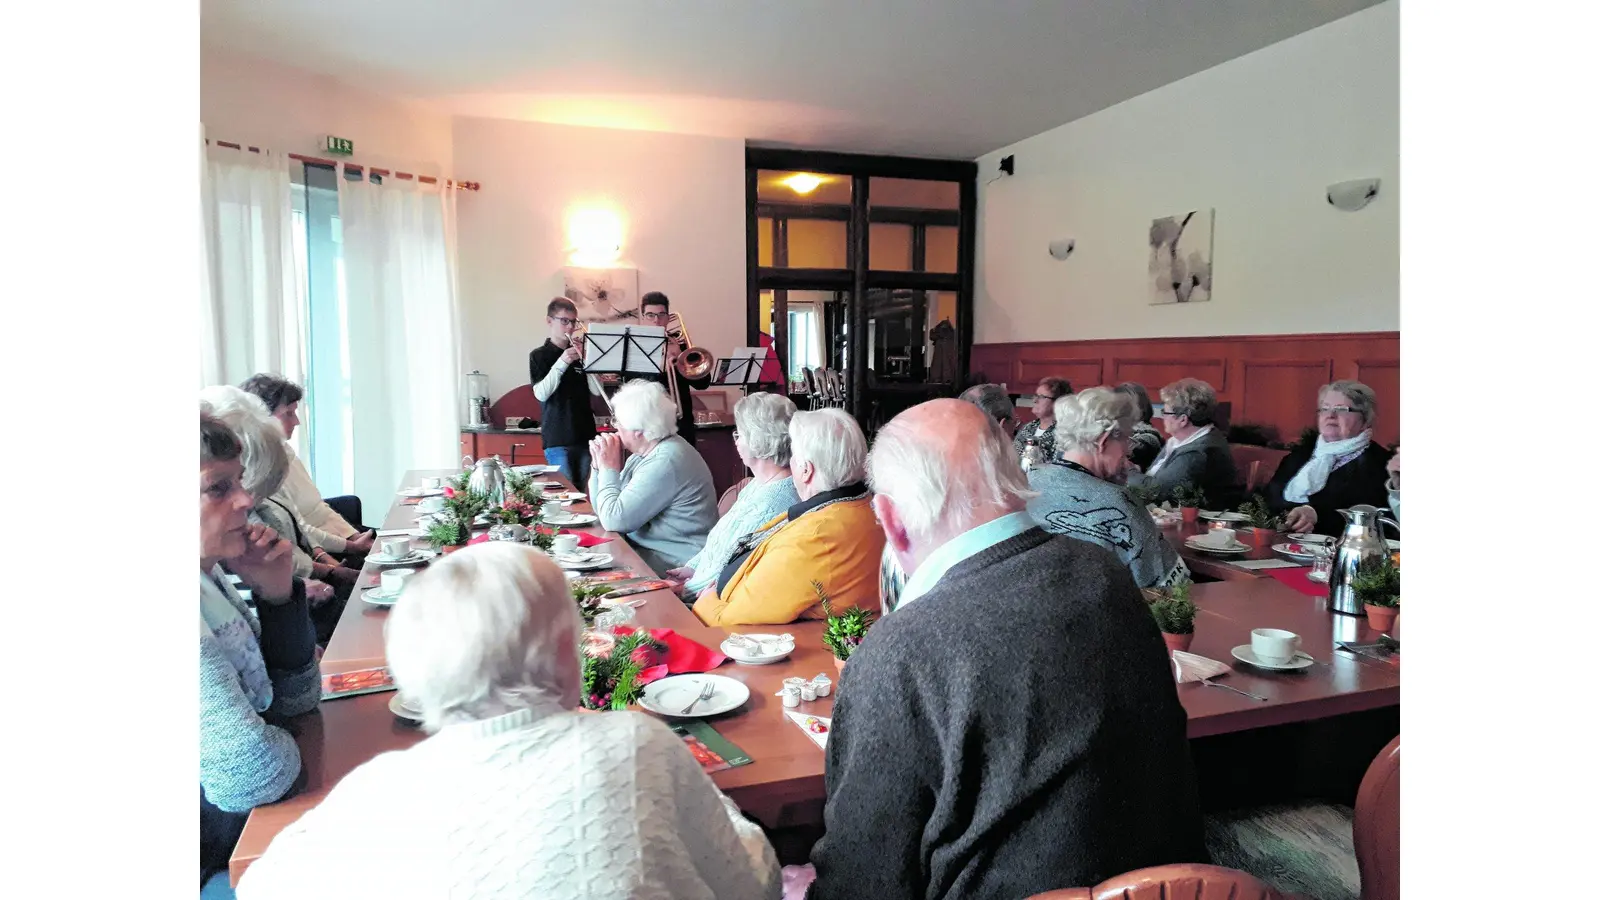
(1045, 438)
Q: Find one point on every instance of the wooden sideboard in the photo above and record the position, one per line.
(1270, 379)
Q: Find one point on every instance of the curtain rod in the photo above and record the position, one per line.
(319, 161)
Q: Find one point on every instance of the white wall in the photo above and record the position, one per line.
(1258, 139)
(680, 199)
(260, 103)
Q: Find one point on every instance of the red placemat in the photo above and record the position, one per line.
(1296, 578)
(584, 538)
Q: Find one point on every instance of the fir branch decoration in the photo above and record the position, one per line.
(1189, 494)
(1174, 612)
(1378, 582)
(587, 595)
(447, 534)
(1260, 515)
(846, 630)
(612, 681)
(1144, 495)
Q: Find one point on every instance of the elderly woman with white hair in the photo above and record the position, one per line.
(1343, 468)
(255, 669)
(761, 437)
(516, 793)
(829, 537)
(267, 460)
(662, 500)
(1079, 496)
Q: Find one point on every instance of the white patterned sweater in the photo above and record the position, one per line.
(537, 803)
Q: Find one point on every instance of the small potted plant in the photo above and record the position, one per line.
(452, 528)
(448, 535)
(845, 630)
(1377, 586)
(1263, 524)
(1174, 614)
(1189, 497)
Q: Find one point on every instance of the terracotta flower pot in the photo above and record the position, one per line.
(448, 549)
(1178, 641)
(1191, 514)
(1381, 618)
(838, 664)
(1262, 537)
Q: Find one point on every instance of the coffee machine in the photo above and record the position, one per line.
(477, 400)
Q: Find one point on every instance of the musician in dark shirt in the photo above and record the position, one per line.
(656, 309)
(555, 369)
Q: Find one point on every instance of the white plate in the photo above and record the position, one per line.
(1206, 548)
(670, 695)
(573, 519)
(1310, 538)
(377, 597)
(1243, 653)
(1284, 549)
(1319, 579)
(415, 556)
(422, 492)
(570, 496)
(598, 561)
(402, 711)
(1393, 545)
(775, 647)
(1223, 516)
(536, 469)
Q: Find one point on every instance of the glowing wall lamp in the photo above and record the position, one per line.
(594, 238)
(803, 182)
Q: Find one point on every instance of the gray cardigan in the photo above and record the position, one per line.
(663, 502)
(1073, 502)
(1206, 461)
(1014, 730)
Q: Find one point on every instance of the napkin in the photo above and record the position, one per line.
(799, 718)
(1296, 578)
(1193, 667)
(1266, 564)
(683, 655)
(401, 532)
(585, 539)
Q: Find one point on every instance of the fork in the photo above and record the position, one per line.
(1209, 683)
(705, 694)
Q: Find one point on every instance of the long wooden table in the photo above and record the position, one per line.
(787, 767)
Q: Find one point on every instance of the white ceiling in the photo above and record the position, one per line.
(946, 78)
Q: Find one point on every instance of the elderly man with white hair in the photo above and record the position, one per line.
(828, 537)
(516, 793)
(761, 438)
(662, 500)
(1079, 495)
(1013, 727)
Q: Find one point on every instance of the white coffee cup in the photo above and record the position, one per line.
(1274, 645)
(552, 509)
(1219, 537)
(431, 505)
(433, 483)
(393, 581)
(565, 545)
(396, 548)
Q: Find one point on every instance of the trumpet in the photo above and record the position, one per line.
(692, 361)
(579, 335)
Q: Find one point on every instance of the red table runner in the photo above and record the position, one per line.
(1296, 578)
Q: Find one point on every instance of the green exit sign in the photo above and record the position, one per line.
(341, 146)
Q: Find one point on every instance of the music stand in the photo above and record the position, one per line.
(625, 349)
(744, 367)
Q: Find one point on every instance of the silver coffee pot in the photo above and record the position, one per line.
(488, 478)
(1361, 543)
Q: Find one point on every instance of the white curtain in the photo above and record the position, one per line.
(403, 331)
(251, 320)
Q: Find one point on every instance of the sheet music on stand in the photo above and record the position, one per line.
(743, 367)
(625, 349)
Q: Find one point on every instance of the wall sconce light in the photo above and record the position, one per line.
(1353, 195)
(594, 238)
(1063, 248)
(804, 182)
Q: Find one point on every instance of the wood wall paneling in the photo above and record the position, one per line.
(1270, 379)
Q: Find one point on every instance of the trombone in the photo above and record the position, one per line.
(692, 362)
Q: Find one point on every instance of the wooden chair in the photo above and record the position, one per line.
(730, 495)
(1377, 826)
(1252, 479)
(1181, 881)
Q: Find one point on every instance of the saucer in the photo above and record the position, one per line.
(1223, 516)
(415, 556)
(377, 597)
(1303, 554)
(584, 561)
(1207, 548)
(1244, 653)
(402, 711)
(572, 518)
(774, 648)
(1300, 538)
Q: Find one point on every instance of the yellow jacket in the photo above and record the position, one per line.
(840, 546)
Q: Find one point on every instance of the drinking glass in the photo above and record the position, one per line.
(1321, 564)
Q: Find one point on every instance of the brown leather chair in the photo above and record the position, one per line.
(1182, 881)
(1377, 826)
(730, 495)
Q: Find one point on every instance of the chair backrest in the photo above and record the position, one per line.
(1252, 480)
(730, 495)
(1377, 826)
(1180, 881)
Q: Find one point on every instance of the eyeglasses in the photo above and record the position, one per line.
(1334, 409)
(563, 320)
